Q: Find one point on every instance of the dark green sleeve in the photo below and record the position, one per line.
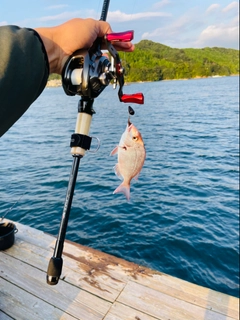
(24, 71)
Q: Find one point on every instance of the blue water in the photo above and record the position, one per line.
(183, 217)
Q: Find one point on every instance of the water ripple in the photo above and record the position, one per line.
(182, 218)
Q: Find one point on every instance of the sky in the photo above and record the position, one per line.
(175, 23)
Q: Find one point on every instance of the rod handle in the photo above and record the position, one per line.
(54, 270)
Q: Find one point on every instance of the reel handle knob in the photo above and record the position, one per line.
(133, 98)
(120, 36)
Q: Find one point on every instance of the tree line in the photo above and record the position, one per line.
(152, 61)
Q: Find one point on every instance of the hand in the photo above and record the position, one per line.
(61, 41)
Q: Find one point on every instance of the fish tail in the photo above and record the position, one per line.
(123, 188)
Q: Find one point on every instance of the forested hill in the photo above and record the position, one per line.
(153, 61)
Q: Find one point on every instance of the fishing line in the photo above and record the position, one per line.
(134, 2)
(98, 9)
(10, 209)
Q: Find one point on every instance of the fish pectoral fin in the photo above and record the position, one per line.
(114, 151)
(117, 171)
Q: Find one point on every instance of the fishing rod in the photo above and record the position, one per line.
(87, 73)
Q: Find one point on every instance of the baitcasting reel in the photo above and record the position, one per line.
(88, 73)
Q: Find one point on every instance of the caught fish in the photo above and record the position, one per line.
(131, 155)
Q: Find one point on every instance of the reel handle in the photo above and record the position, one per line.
(120, 36)
(133, 98)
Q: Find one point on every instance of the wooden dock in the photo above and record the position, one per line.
(95, 286)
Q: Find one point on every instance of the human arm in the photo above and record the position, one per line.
(28, 56)
(24, 71)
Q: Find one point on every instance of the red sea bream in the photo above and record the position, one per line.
(131, 156)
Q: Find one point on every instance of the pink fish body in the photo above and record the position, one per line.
(131, 156)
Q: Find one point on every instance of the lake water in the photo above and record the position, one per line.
(183, 217)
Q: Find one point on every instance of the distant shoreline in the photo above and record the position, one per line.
(58, 82)
(54, 83)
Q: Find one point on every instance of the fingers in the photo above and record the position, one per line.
(124, 46)
(61, 41)
(121, 46)
(105, 28)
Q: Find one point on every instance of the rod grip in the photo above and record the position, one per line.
(54, 270)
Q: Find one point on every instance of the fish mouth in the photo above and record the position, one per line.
(129, 122)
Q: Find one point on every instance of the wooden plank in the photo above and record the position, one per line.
(120, 311)
(162, 306)
(83, 275)
(34, 236)
(172, 286)
(124, 271)
(97, 268)
(21, 305)
(88, 257)
(66, 297)
(112, 268)
(82, 258)
(192, 293)
(77, 251)
(106, 276)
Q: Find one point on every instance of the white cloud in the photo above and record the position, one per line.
(155, 33)
(161, 4)
(213, 7)
(231, 6)
(118, 16)
(59, 6)
(224, 32)
(64, 16)
(177, 28)
(55, 19)
(214, 27)
(219, 36)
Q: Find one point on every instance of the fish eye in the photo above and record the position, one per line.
(135, 138)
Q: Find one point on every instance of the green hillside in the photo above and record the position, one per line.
(153, 61)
